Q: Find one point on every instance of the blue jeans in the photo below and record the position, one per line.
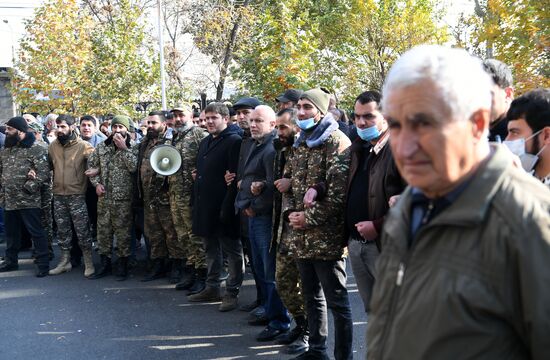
(263, 260)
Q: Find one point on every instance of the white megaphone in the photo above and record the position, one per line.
(165, 160)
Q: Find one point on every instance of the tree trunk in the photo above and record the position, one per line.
(228, 55)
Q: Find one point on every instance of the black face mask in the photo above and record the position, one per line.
(11, 140)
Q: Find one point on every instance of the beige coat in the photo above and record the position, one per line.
(69, 163)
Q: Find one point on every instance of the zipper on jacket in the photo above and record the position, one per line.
(400, 274)
(393, 303)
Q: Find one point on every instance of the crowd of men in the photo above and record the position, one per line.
(447, 230)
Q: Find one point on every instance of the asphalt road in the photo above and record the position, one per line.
(70, 317)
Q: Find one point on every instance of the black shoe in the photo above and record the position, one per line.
(200, 282)
(122, 272)
(105, 268)
(8, 267)
(40, 273)
(157, 271)
(249, 307)
(186, 284)
(269, 334)
(259, 321)
(176, 271)
(290, 336)
(312, 355)
(198, 286)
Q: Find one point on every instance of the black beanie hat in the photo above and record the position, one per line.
(18, 123)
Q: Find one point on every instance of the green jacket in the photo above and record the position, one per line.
(321, 158)
(17, 191)
(476, 282)
(117, 169)
(187, 143)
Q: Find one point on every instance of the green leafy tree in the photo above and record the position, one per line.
(517, 33)
(346, 46)
(124, 65)
(52, 58)
(222, 28)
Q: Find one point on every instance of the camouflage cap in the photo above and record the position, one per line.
(36, 126)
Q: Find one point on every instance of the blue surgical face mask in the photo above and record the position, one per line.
(306, 123)
(368, 134)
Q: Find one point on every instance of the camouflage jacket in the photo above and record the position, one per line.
(17, 191)
(152, 186)
(187, 143)
(116, 169)
(321, 156)
(280, 230)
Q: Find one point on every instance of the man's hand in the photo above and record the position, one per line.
(249, 212)
(31, 175)
(393, 200)
(309, 198)
(120, 141)
(256, 187)
(282, 185)
(229, 177)
(100, 190)
(91, 172)
(194, 174)
(367, 230)
(297, 220)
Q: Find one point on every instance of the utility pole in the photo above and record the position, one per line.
(161, 48)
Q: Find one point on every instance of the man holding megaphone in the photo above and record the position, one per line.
(153, 190)
(186, 142)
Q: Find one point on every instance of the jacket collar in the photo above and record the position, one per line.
(471, 206)
(319, 134)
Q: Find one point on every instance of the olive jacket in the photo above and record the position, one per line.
(475, 283)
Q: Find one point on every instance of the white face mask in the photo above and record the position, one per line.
(528, 161)
(517, 147)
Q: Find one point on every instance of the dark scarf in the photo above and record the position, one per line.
(64, 140)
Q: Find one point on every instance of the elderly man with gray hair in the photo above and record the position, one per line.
(464, 272)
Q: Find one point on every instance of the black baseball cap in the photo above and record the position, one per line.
(289, 95)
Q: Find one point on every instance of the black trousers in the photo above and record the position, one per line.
(29, 219)
(324, 283)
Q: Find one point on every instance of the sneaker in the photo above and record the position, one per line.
(299, 346)
(229, 302)
(290, 336)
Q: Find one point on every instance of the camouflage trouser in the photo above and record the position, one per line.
(160, 231)
(46, 218)
(193, 245)
(289, 285)
(67, 209)
(114, 218)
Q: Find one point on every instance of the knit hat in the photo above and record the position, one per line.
(319, 98)
(18, 123)
(246, 103)
(36, 126)
(122, 120)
